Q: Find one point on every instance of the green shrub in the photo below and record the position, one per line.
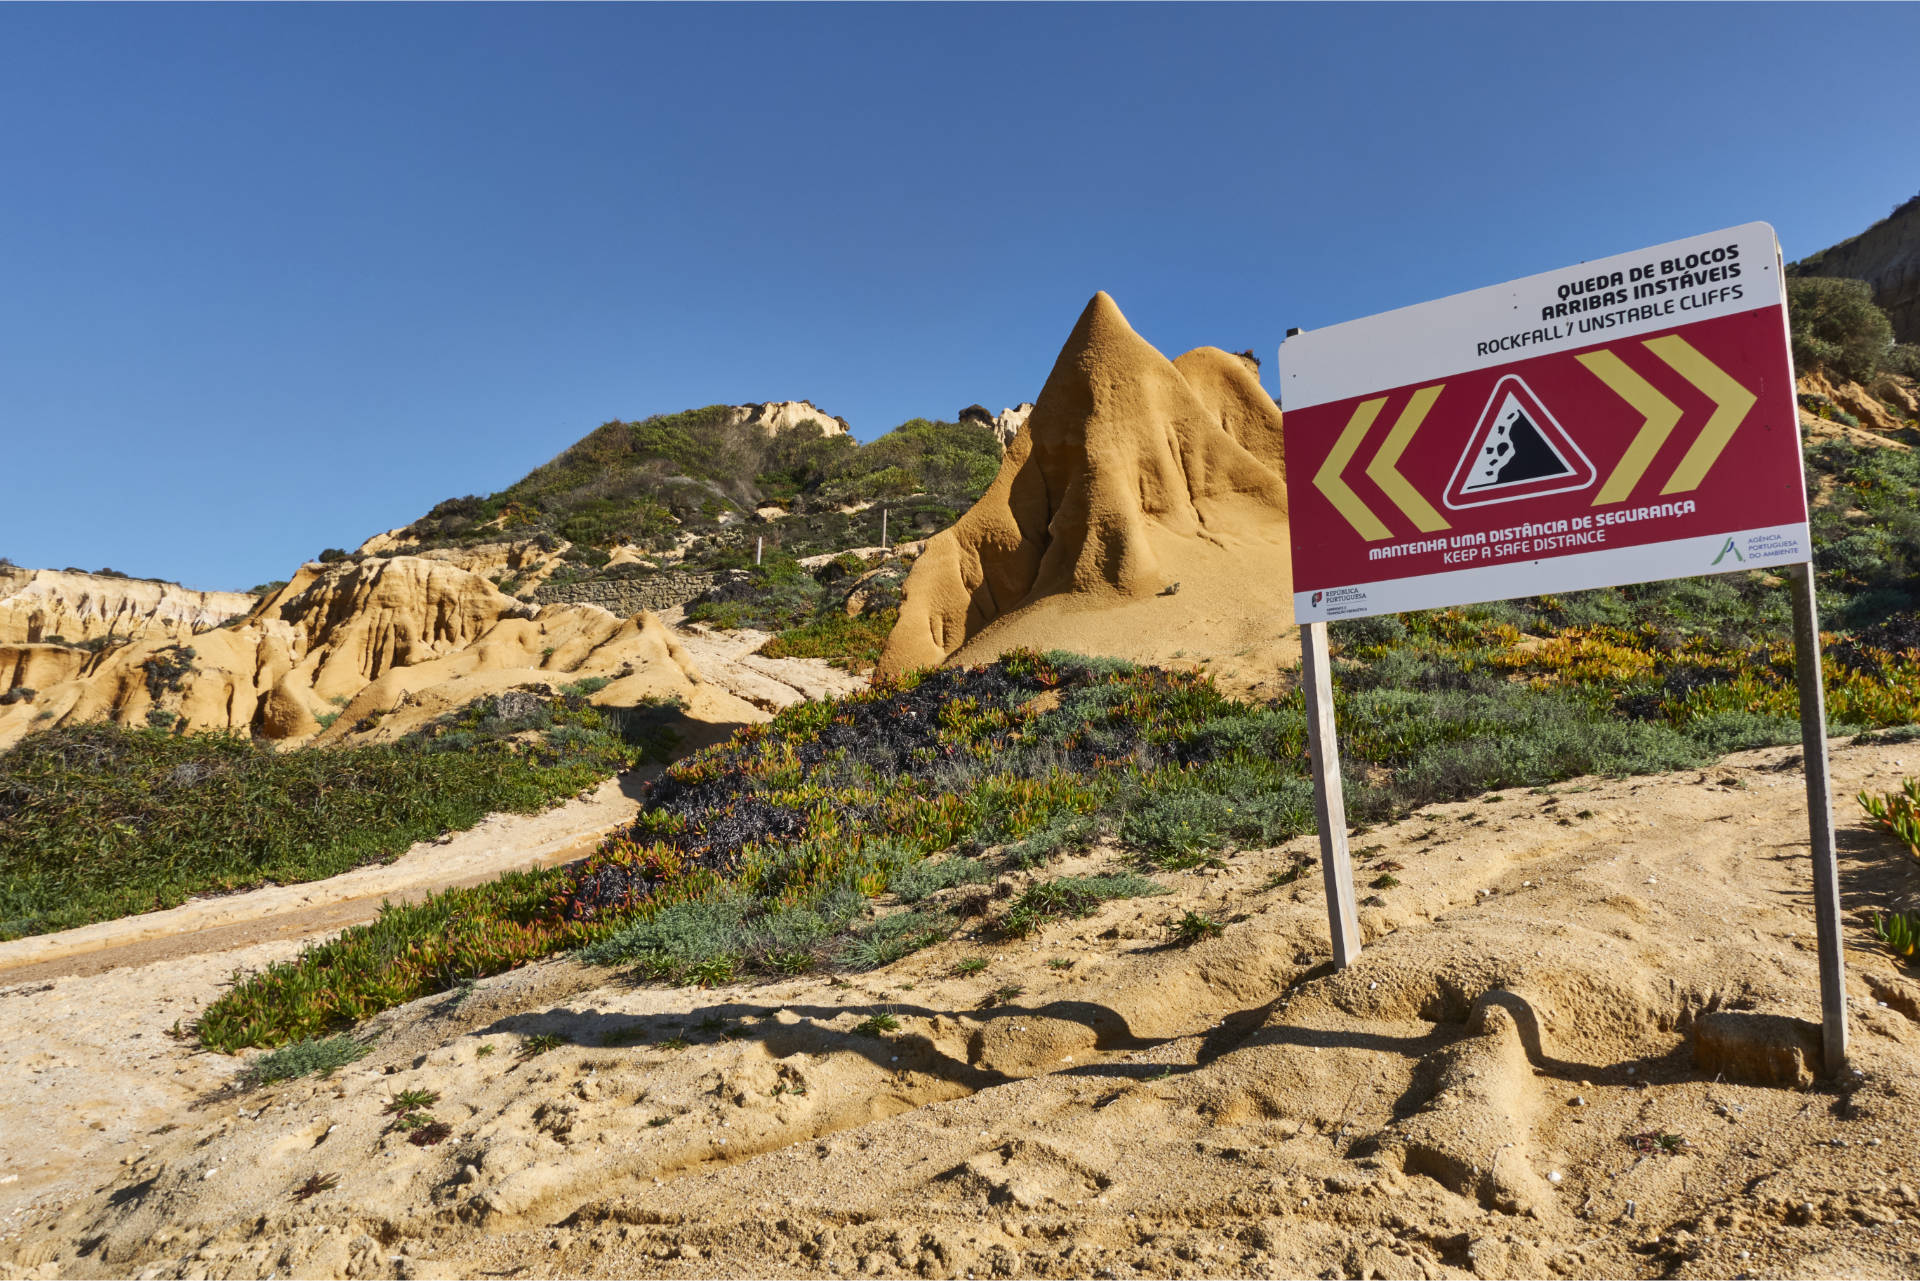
(1241, 802)
(1070, 830)
(1070, 896)
(98, 821)
(409, 951)
(852, 644)
(318, 1056)
(888, 939)
(649, 483)
(1193, 927)
(933, 875)
(774, 595)
(1836, 327)
(1897, 813)
(1900, 931)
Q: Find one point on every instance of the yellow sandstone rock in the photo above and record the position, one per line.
(1140, 511)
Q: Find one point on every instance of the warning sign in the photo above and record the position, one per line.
(1622, 421)
(1518, 451)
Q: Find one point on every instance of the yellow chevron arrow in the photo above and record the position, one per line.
(1659, 414)
(1731, 402)
(1327, 479)
(1383, 471)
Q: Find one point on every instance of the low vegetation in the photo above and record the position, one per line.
(853, 644)
(1900, 931)
(98, 821)
(851, 833)
(1898, 813)
(318, 1056)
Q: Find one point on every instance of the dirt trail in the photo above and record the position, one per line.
(1124, 1105)
(496, 844)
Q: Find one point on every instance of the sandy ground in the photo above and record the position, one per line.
(1467, 1099)
(727, 658)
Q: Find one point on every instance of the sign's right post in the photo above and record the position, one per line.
(1826, 873)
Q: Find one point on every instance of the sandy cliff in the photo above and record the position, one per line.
(1141, 511)
(385, 644)
(776, 416)
(36, 604)
(1886, 256)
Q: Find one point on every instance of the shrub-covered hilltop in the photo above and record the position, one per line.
(677, 478)
(700, 491)
(849, 833)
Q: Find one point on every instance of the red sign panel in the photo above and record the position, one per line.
(1665, 444)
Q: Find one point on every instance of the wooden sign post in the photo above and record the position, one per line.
(1329, 798)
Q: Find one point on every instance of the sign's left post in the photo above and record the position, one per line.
(1329, 799)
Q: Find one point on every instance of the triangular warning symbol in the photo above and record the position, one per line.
(1517, 451)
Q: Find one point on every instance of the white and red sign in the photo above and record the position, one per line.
(1622, 421)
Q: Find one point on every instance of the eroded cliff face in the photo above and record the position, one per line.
(1886, 256)
(776, 416)
(383, 645)
(36, 604)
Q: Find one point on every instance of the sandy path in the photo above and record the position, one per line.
(498, 843)
(1135, 1108)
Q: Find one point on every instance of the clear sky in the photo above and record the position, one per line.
(276, 278)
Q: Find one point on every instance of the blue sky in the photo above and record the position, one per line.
(276, 278)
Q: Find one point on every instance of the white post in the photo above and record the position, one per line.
(883, 527)
(1826, 875)
(1329, 800)
(759, 545)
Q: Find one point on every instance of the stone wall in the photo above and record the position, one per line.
(628, 596)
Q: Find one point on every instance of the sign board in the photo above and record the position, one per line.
(1621, 421)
